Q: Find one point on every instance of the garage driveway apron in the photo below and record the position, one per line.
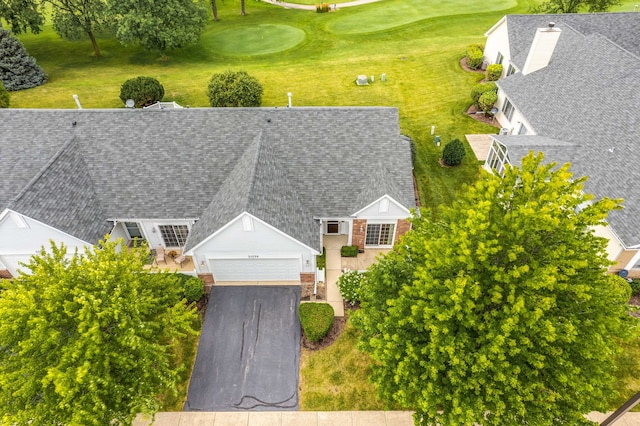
(249, 351)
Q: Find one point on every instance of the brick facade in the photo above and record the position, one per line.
(358, 233)
(402, 228)
(307, 278)
(4, 273)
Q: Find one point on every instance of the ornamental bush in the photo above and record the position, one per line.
(474, 56)
(4, 97)
(487, 101)
(349, 251)
(494, 72)
(144, 91)
(316, 320)
(453, 153)
(234, 89)
(192, 287)
(350, 284)
(18, 70)
(481, 88)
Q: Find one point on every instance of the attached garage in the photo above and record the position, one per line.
(254, 270)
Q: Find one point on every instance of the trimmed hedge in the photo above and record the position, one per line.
(487, 101)
(479, 89)
(494, 72)
(453, 153)
(349, 251)
(316, 320)
(474, 56)
(192, 287)
(144, 91)
(234, 89)
(349, 285)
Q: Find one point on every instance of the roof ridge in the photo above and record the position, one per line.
(42, 171)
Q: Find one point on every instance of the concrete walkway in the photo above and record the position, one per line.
(332, 245)
(334, 6)
(313, 418)
(282, 418)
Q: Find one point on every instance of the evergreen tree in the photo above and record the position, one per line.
(18, 70)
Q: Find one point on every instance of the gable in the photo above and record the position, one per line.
(382, 208)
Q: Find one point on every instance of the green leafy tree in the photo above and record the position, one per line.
(4, 96)
(86, 339)
(144, 91)
(501, 312)
(21, 15)
(18, 70)
(234, 89)
(75, 19)
(575, 6)
(160, 25)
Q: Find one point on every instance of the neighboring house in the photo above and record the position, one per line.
(248, 193)
(572, 90)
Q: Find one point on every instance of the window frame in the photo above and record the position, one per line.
(171, 234)
(508, 109)
(380, 234)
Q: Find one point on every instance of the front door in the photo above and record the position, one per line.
(333, 227)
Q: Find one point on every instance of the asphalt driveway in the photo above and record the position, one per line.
(249, 351)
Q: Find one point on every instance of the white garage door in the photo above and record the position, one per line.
(255, 269)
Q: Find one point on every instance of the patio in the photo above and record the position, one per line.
(169, 264)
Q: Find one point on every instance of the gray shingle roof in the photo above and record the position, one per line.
(62, 195)
(622, 28)
(589, 98)
(173, 164)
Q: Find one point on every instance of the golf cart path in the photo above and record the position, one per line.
(313, 7)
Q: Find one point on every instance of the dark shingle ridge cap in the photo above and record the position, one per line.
(42, 171)
(231, 199)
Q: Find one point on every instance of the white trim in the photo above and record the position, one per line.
(51, 227)
(495, 26)
(228, 224)
(354, 215)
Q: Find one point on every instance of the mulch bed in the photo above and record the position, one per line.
(334, 333)
(463, 64)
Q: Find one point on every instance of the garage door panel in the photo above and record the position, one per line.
(255, 269)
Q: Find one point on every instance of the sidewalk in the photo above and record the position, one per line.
(332, 245)
(282, 418)
(313, 418)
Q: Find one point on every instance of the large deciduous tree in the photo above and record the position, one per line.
(575, 6)
(86, 339)
(161, 25)
(75, 19)
(18, 70)
(21, 15)
(500, 312)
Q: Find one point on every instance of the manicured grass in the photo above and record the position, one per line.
(627, 379)
(329, 385)
(257, 39)
(185, 353)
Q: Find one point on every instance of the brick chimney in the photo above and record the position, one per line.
(544, 43)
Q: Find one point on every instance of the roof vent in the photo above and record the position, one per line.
(552, 24)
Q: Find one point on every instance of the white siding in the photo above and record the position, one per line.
(382, 209)
(498, 41)
(614, 247)
(263, 242)
(516, 119)
(18, 244)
